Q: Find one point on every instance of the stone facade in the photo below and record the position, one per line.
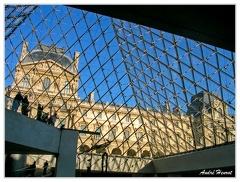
(133, 132)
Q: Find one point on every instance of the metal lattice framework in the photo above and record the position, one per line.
(171, 82)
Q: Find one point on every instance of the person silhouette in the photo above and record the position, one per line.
(52, 119)
(39, 112)
(45, 166)
(45, 117)
(31, 169)
(16, 101)
(25, 104)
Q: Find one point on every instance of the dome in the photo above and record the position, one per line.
(38, 55)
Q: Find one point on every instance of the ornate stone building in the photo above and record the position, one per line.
(51, 78)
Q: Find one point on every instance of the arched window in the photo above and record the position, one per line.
(131, 153)
(116, 151)
(158, 154)
(46, 84)
(83, 148)
(25, 81)
(66, 89)
(145, 154)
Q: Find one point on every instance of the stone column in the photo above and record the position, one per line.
(91, 97)
(66, 160)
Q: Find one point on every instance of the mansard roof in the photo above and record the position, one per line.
(52, 53)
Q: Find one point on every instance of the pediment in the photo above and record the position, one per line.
(45, 65)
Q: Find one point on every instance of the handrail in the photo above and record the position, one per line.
(25, 169)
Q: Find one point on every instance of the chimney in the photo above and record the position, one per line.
(24, 50)
(166, 108)
(76, 58)
(91, 97)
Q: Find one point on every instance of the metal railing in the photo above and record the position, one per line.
(44, 116)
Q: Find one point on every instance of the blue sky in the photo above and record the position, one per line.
(121, 55)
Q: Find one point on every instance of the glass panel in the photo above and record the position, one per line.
(174, 94)
(46, 84)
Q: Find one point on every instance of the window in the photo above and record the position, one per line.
(46, 84)
(99, 115)
(140, 136)
(140, 120)
(145, 154)
(83, 128)
(126, 134)
(98, 130)
(131, 153)
(25, 81)
(176, 124)
(66, 88)
(116, 151)
(112, 134)
(153, 122)
(127, 118)
(113, 117)
(62, 121)
(84, 148)
(63, 106)
(84, 113)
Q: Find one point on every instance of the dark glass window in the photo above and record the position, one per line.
(66, 89)
(140, 136)
(25, 81)
(99, 115)
(98, 130)
(112, 134)
(83, 127)
(84, 113)
(46, 84)
(126, 134)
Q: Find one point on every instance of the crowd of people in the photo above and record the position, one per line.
(41, 116)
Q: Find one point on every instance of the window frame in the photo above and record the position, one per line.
(84, 128)
(46, 84)
(112, 133)
(26, 81)
(66, 88)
